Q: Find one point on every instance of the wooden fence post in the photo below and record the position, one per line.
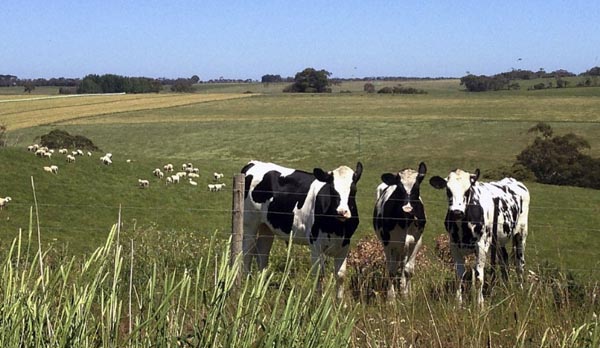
(237, 218)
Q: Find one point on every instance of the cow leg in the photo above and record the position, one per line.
(481, 254)
(409, 267)
(340, 272)
(391, 264)
(459, 266)
(264, 242)
(503, 263)
(318, 265)
(519, 245)
(249, 242)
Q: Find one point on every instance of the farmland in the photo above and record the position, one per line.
(222, 127)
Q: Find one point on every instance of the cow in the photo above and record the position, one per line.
(399, 221)
(481, 215)
(316, 209)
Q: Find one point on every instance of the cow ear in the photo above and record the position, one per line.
(422, 171)
(389, 179)
(322, 175)
(438, 182)
(357, 172)
(475, 176)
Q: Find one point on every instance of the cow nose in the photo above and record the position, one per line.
(344, 213)
(457, 214)
(407, 208)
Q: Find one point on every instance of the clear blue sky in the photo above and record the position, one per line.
(247, 39)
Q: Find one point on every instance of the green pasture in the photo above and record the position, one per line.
(447, 128)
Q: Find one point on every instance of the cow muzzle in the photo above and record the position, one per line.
(343, 214)
(407, 208)
(457, 214)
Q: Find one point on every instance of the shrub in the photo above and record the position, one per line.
(369, 87)
(386, 90)
(557, 160)
(61, 139)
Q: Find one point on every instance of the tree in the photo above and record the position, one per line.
(558, 160)
(28, 87)
(195, 79)
(369, 87)
(271, 78)
(310, 80)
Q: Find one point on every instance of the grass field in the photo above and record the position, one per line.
(447, 128)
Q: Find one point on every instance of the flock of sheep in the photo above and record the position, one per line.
(188, 171)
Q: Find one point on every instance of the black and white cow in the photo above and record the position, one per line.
(399, 221)
(481, 215)
(318, 209)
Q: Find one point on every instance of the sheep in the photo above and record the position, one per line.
(181, 174)
(109, 155)
(40, 152)
(184, 166)
(74, 153)
(129, 161)
(70, 158)
(89, 154)
(196, 170)
(143, 183)
(193, 183)
(79, 152)
(211, 187)
(168, 167)
(175, 179)
(193, 175)
(169, 180)
(33, 148)
(48, 154)
(218, 187)
(48, 169)
(106, 160)
(54, 169)
(4, 202)
(63, 151)
(218, 176)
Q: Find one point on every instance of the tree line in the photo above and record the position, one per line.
(506, 80)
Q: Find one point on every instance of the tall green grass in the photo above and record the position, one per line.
(122, 294)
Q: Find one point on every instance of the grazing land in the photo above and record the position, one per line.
(220, 128)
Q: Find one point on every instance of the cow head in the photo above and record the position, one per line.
(458, 188)
(408, 183)
(342, 182)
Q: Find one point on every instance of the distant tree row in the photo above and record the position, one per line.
(110, 83)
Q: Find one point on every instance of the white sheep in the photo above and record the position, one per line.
(74, 153)
(193, 175)
(169, 180)
(89, 154)
(143, 183)
(4, 202)
(109, 155)
(129, 161)
(193, 183)
(70, 158)
(79, 152)
(40, 152)
(218, 176)
(184, 166)
(54, 169)
(175, 179)
(168, 167)
(106, 160)
(63, 151)
(211, 187)
(48, 169)
(48, 154)
(181, 174)
(218, 187)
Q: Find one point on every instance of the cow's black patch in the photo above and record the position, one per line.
(287, 192)
(393, 215)
(326, 217)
